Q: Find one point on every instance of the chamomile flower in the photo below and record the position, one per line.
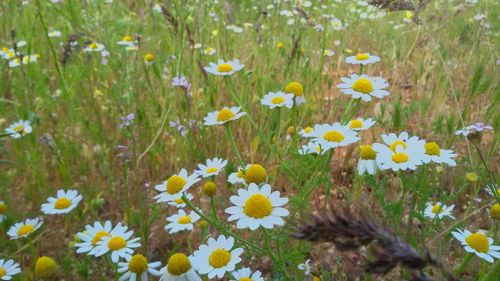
(64, 203)
(126, 41)
(149, 59)
(364, 87)
(367, 160)
(19, 129)
(212, 168)
(92, 235)
(328, 53)
(181, 221)
(209, 51)
(245, 274)
(336, 24)
(278, 99)
(224, 68)
(179, 202)
(179, 268)
(217, 257)
(360, 124)
(220, 117)
(54, 34)
(8, 268)
(333, 135)
(438, 155)
(119, 243)
(306, 267)
(94, 47)
(362, 58)
(401, 154)
(237, 177)
(257, 206)
(306, 132)
(137, 267)
(311, 148)
(438, 210)
(175, 186)
(297, 90)
(25, 228)
(478, 244)
(3, 210)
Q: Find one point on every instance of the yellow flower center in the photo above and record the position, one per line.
(279, 45)
(396, 143)
(277, 100)
(436, 209)
(2, 272)
(178, 264)
(245, 279)
(127, 38)
(478, 242)
(98, 237)
(62, 203)
(219, 258)
(356, 124)
(336, 24)
(294, 88)
(93, 45)
(19, 128)
(224, 68)
(258, 206)
(256, 174)
(240, 174)
(367, 152)
(3, 208)
(138, 264)
(175, 184)
(333, 136)
(25, 230)
(471, 177)
(184, 220)
(224, 114)
(308, 129)
(400, 157)
(363, 85)
(495, 211)
(209, 188)
(117, 243)
(363, 56)
(432, 148)
(45, 267)
(212, 170)
(179, 201)
(149, 57)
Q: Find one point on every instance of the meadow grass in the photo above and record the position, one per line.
(442, 75)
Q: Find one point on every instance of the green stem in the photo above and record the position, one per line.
(233, 143)
(493, 274)
(464, 263)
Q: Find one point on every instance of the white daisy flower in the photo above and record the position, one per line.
(362, 58)
(91, 236)
(297, 90)
(306, 132)
(222, 116)
(24, 229)
(179, 268)
(311, 148)
(328, 53)
(367, 160)
(438, 155)
(19, 129)
(119, 243)
(224, 68)
(217, 257)
(209, 51)
(94, 47)
(255, 207)
(64, 203)
(8, 268)
(438, 210)
(334, 135)
(478, 244)
(364, 87)
(246, 274)
(278, 99)
(3, 210)
(54, 34)
(306, 267)
(175, 186)
(137, 267)
(400, 155)
(126, 41)
(336, 24)
(212, 168)
(181, 221)
(237, 177)
(360, 124)
(179, 202)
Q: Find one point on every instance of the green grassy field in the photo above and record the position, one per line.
(116, 98)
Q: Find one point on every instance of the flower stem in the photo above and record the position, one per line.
(233, 143)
